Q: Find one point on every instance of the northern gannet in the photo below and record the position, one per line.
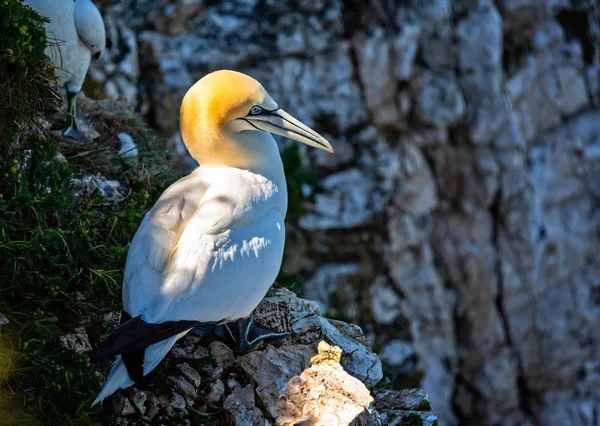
(212, 245)
(75, 35)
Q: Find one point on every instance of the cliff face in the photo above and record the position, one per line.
(458, 223)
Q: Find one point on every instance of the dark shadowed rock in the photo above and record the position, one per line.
(242, 407)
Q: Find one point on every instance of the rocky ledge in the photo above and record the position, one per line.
(320, 374)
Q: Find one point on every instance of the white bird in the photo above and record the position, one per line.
(212, 245)
(75, 35)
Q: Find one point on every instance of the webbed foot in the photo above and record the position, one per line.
(243, 335)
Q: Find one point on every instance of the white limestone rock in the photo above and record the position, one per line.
(128, 146)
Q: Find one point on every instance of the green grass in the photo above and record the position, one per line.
(61, 263)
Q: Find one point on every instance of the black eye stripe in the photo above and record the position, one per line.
(263, 111)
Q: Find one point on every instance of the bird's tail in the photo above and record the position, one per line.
(118, 377)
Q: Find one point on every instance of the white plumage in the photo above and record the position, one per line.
(75, 33)
(212, 245)
(212, 240)
(221, 251)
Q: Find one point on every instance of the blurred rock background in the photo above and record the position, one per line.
(458, 220)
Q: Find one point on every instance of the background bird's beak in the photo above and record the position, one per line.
(283, 124)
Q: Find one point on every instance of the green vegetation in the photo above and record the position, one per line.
(412, 419)
(298, 176)
(25, 75)
(326, 122)
(61, 259)
(61, 256)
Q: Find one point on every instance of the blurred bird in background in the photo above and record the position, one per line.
(75, 34)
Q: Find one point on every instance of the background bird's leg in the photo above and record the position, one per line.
(71, 130)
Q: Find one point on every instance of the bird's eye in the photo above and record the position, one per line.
(255, 110)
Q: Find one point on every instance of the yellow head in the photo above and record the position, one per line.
(224, 104)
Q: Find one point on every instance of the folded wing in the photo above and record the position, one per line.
(198, 256)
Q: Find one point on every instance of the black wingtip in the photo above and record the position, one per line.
(134, 363)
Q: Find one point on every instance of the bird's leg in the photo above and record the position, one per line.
(241, 336)
(71, 130)
(256, 333)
